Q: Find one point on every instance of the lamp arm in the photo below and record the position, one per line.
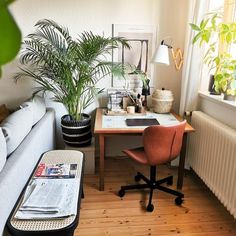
(163, 43)
(177, 54)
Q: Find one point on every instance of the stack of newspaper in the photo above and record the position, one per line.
(49, 198)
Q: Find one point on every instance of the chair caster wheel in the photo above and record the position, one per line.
(170, 181)
(137, 178)
(150, 208)
(179, 201)
(121, 193)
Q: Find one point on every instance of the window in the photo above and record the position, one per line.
(216, 5)
(228, 8)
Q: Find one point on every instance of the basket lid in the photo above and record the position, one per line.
(163, 94)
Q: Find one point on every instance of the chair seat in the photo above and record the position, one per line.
(138, 154)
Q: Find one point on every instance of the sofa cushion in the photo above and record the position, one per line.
(4, 112)
(3, 150)
(37, 104)
(21, 163)
(16, 126)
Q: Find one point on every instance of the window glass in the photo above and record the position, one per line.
(233, 46)
(216, 5)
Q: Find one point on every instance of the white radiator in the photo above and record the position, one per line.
(212, 155)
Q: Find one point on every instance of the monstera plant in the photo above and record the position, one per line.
(70, 70)
(211, 32)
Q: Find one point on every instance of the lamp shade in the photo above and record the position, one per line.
(161, 55)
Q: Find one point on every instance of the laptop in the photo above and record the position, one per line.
(142, 122)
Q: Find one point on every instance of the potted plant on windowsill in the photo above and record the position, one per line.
(70, 70)
(212, 32)
(225, 76)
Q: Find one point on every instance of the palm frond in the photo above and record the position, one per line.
(52, 24)
(70, 69)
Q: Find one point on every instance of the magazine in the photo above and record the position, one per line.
(59, 170)
(49, 198)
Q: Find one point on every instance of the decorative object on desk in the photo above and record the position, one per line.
(213, 31)
(145, 92)
(138, 104)
(115, 98)
(126, 101)
(131, 109)
(162, 101)
(161, 55)
(70, 70)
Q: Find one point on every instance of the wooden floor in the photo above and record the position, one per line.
(104, 213)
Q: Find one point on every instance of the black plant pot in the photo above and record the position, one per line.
(76, 133)
(211, 87)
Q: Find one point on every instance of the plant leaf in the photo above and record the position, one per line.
(229, 37)
(195, 27)
(203, 24)
(10, 39)
(197, 36)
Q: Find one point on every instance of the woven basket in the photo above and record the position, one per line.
(162, 101)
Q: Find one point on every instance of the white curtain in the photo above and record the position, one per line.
(193, 58)
(193, 62)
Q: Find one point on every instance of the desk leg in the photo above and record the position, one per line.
(181, 163)
(101, 164)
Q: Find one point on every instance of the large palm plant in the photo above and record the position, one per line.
(68, 68)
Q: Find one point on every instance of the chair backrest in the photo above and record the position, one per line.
(163, 143)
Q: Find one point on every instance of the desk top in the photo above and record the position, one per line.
(100, 129)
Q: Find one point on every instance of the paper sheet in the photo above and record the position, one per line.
(38, 204)
(119, 121)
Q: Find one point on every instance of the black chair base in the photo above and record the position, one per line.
(152, 184)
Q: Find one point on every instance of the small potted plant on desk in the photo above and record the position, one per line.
(212, 32)
(70, 70)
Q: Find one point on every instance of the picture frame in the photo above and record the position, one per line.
(142, 39)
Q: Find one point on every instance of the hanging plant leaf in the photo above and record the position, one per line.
(10, 36)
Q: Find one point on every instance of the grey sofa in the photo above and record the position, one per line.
(21, 163)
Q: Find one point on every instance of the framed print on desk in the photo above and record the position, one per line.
(142, 41)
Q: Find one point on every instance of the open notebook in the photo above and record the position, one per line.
(142, 122)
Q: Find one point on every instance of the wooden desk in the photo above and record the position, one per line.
(103, 132)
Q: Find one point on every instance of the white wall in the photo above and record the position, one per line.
(77, 15)
(98, 16)
(172, 21)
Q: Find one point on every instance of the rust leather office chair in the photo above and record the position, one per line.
(161, 144)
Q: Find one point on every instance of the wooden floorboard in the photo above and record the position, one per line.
(104, 213)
